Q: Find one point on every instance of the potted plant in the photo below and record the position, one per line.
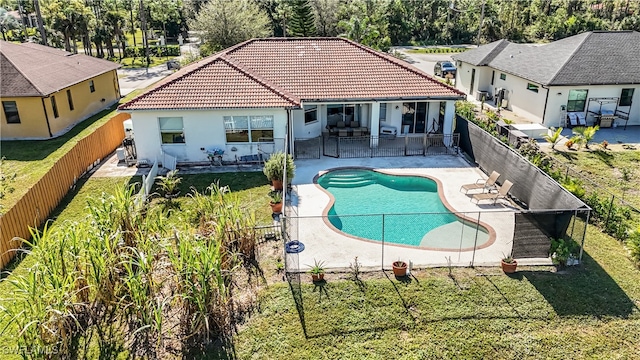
(276, 201)
(509, 264)
(274, 169)
(399, 268)
(317, 271)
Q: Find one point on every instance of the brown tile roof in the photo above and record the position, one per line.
(38, 70)
(293, 70)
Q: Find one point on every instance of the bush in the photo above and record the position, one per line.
(633, 244)
(159, 51)
(561, 250)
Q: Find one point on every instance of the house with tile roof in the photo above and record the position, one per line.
(592, 75)
(251, 97)
(46, 91)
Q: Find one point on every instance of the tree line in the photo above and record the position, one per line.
(100, 25)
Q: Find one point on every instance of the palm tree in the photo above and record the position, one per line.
(554, 138)
(586, 134)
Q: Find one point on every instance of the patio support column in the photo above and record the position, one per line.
(374, 124)
(449, 114)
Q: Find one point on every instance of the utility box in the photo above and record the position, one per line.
(120, 154)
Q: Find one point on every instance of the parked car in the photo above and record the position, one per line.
(445, 69)
(173, 65)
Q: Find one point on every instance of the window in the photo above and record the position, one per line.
(54, 105)
(11, 112)
(249, 128)
(503, 76)
(70, 99)
(626, 97)
(92, 87)
(414, 117)
(383, 112)
(532, 87)
(171, 130)
(310, 114)
(577, 100)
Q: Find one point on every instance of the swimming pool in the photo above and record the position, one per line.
(414, 215)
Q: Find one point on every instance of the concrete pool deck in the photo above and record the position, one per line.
(337, 250)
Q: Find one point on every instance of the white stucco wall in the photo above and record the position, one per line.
(463, 76)
(202, 129)
(559, 95)
(310, 130)
(519, 99)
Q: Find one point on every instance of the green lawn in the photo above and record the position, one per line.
(31, 159)
(473, 314)
(605, 168)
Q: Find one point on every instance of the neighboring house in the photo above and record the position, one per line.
(592, 73)
(46, 91)
(254, 95)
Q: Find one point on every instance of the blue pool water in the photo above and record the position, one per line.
(411, 205)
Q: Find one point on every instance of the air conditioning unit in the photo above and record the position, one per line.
(480, 94)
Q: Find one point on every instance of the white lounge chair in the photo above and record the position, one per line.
(487, 185)
(502, 193)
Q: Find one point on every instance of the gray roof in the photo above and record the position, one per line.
(38, 70)
(590, 58)
(483, 54)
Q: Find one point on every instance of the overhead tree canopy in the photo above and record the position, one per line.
(303, 22)
(224, 23)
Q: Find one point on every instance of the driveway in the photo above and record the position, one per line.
(424, 62)
(140, 78)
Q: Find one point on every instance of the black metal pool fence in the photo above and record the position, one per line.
(522, 233)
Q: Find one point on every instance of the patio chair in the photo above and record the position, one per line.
(357, 132)
(343, 132)
(503, 192)
(487, 185)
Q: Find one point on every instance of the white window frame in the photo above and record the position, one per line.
(230, 126)
(171, 131)
(310, 109)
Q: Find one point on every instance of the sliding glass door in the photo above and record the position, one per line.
(414, 117)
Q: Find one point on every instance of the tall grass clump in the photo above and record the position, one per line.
(51, 298)
(203, 282)
(220, 215)
(121, 275)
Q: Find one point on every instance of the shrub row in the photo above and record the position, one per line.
(612, 218)
(139, 51)
(444, 50)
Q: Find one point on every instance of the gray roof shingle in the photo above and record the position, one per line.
(590, 58)
(38, 70)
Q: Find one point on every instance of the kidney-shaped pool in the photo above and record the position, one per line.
(414, 214)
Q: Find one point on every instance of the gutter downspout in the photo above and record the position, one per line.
(46, 117)
(546, 101)
(289, 146)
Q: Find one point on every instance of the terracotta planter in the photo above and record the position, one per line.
(317, 277)
(276, 208)
(509, 268)
(277, 184)
(400, 268)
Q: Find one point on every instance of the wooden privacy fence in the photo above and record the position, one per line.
(36, 205)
